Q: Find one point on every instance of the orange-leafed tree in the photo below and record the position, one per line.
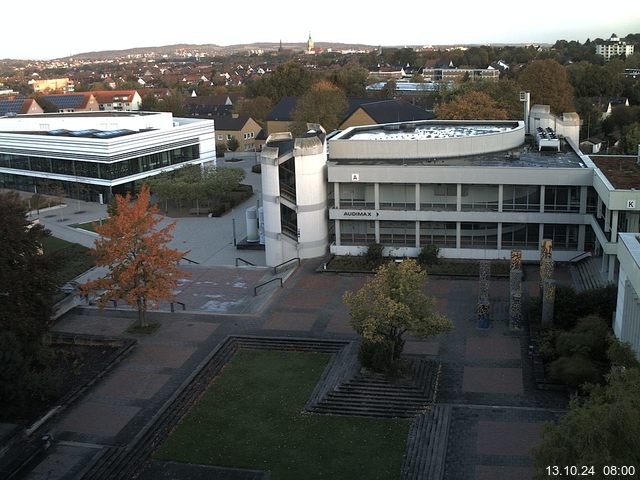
(143, 270)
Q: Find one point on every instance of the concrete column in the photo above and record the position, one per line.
(582, 232)
(599, 208)
(612, 268)
(607, 220)
(500, 200)
(376, 196)
(541, 200)
(500, 233)
(417, 233)
(336, 194)
(337, 231)
(458, 229)
(459, 198)
(540, 233)
(634, 222)
(417, 197)
(583, 200)
(603, 266)
(614, 226)
(377, 229)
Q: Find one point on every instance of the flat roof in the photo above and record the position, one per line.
(622, 171)
(101, 113)
(507, 158)
(409, 131)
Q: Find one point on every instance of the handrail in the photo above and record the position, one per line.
(255, 289)
(577, 257)
(296, 259)
(184, 307)
(245, 261)
(190, 261)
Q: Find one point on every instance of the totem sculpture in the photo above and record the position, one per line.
(483, 306)
(548, 300)
(515, 290)
(547, 284)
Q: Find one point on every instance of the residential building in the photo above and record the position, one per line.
(244, 129)
(118, 100)
(626, 325)
(70, 103)
(360, 111)
(14, 105)
(371, 112)
(476, 189)
(457, 75)
(97, 154)
(209, 106)
(51, 85)
(614, 47)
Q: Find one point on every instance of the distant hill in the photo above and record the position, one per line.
(213, 49)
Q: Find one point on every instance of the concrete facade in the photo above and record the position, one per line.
(626, 325)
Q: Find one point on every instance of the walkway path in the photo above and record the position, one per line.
(496, 411)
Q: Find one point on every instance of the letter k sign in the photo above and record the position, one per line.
(631, 204)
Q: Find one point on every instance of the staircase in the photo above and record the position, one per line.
(586, 274)
(374, 395)
(426, 452)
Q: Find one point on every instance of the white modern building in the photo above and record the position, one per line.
(613, 47)
(627, 322)
(97, 154)
(476, 189)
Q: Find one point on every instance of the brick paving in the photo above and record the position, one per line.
(486, 374)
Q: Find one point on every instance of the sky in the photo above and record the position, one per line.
(58, 30)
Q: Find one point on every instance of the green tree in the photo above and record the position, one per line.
(149, 103)
(549, 84)
(233, 144)
(352, 79)
(472, 105)
(26, 293)
(389, 305)
(324, 103)
(601, 430)
(174, 103)
(257, 108)
(288, 80)
(630, 141)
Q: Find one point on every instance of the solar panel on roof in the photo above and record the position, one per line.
(65, 101)
(58, 131)
(112, 133)
(11, 106)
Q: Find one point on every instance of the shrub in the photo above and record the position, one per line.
(374, 257)
(428, 255)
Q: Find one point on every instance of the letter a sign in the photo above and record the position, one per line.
(355, 177)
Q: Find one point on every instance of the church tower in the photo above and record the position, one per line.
(310, 44)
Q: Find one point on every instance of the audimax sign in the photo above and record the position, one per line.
(359, 213)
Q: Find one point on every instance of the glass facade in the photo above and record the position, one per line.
(442, 234)
(438, 196)
(398, 234)
(520, 235)
(354, 232)
(564, 237)
(359, 196)
(479, 235)
(398, 196)
(520, 198)
(480, 198)
(101, 170)
(562, 199)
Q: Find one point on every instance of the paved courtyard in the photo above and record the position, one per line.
(497, 411)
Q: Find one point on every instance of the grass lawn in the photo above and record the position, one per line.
(252, 417)
(85, 226)
(70, 259)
